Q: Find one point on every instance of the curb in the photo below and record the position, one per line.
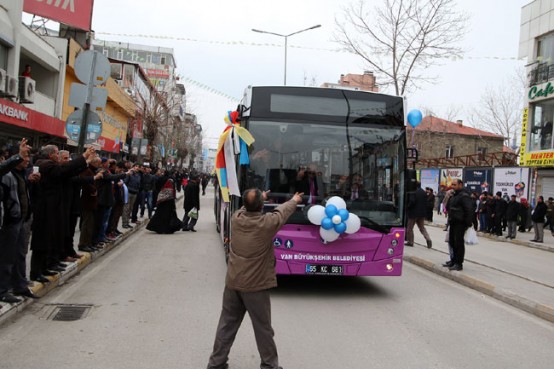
(502, 239)
(542, 311)
(41, 289)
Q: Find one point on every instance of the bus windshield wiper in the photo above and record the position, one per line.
(374, 225)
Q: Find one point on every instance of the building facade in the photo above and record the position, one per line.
(358, 82)
(440, 142)
(536, 43)
(30, 106)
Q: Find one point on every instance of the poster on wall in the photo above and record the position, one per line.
(450, 174)
(430, 178)
(512, 181)
(478, 180)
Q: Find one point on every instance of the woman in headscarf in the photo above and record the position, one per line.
(165, 220)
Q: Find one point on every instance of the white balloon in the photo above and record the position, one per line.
(337, 201)
(328, 235)
(316, 214)
(336, 219)
(353, 224)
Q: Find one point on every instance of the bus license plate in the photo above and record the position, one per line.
(324, 269)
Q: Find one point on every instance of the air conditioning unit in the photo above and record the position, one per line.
(119, 82)
(26, 90)
(2, 82)
(11, 86)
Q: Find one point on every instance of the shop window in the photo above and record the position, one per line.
(541, 126)
(449, 151)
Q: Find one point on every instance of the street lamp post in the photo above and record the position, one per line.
(286, 42)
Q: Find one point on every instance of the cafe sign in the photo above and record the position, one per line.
(540, 92)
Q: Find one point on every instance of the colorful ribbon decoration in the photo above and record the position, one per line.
(234, 140)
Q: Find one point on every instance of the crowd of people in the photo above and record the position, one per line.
(502, 215)
(45, 194)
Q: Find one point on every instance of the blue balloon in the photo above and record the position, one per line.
(344, 214)
(331, 210)
(327, 223)
(340, 228)
(414, 117)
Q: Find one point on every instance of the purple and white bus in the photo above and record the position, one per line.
(326, 143)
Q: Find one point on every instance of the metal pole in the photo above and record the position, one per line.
(84, 123)
(286, 44)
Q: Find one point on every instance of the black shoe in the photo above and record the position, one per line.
(409, 244)
(429, 244)
(192, 230)
(26, 292)
(86, 249)
(185, 229)
(127, 226)
(49, 273)
(117, 232)
(9, 298)
(456, 267)
(41, 279)
(538, 241)
(56, 269)
(448, 264)
(533, 241)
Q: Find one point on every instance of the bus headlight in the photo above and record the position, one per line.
(394, 243)
(390, 251)
(389, 267)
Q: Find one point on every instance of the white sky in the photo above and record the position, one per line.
(229, 68)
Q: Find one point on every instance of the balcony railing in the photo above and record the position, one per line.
(544, 72)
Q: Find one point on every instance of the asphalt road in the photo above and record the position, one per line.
(156, 301)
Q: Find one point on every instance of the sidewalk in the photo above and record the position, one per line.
(522, 277)
(40, 289)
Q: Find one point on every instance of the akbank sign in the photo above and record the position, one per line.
(74, 13)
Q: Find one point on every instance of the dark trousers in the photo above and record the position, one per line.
(146, 201)
(456, 241)
(137, 203)
(87, 227)
(117, 212)
(12, 273)
(39, 262)
(497, 225)
(235, 305)
(68, 249)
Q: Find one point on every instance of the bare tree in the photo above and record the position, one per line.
(402, 38)
(501, 107)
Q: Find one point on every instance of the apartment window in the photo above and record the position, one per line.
(4, 50)
(134, 56)
(119, 54)
(481, 151)
(149, 58)
(106, 52)
(449, 151)
(542, 116)
(162, 60)
(545, 49)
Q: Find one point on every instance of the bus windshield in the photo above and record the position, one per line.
(362, 163)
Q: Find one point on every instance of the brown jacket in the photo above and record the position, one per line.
(251, 264)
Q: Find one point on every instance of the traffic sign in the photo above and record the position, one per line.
(92, 67)
(79, 96)
(74, 123)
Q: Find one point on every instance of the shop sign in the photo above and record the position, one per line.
(540, 91)
(538, 159)
(75, 13)
(478, 180)
(448, 175)
(428, 178)
(512, 181)
(523, 146)
(20, 116)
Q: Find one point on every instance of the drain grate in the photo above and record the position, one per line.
(70, 313)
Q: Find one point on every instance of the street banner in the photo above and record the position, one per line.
(478, 180)
(74, 13)
(448, 175)
(512, 181)
(430, 178)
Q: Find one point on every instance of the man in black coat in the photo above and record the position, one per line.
(192, 200)
(499, 213)
(512, 213)
(417, 209)
(538, 219)
(460, 218)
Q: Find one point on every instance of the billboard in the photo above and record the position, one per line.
(430, 178)
(74, 13)
(478, 180)
(512, 181)
(448, 175)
